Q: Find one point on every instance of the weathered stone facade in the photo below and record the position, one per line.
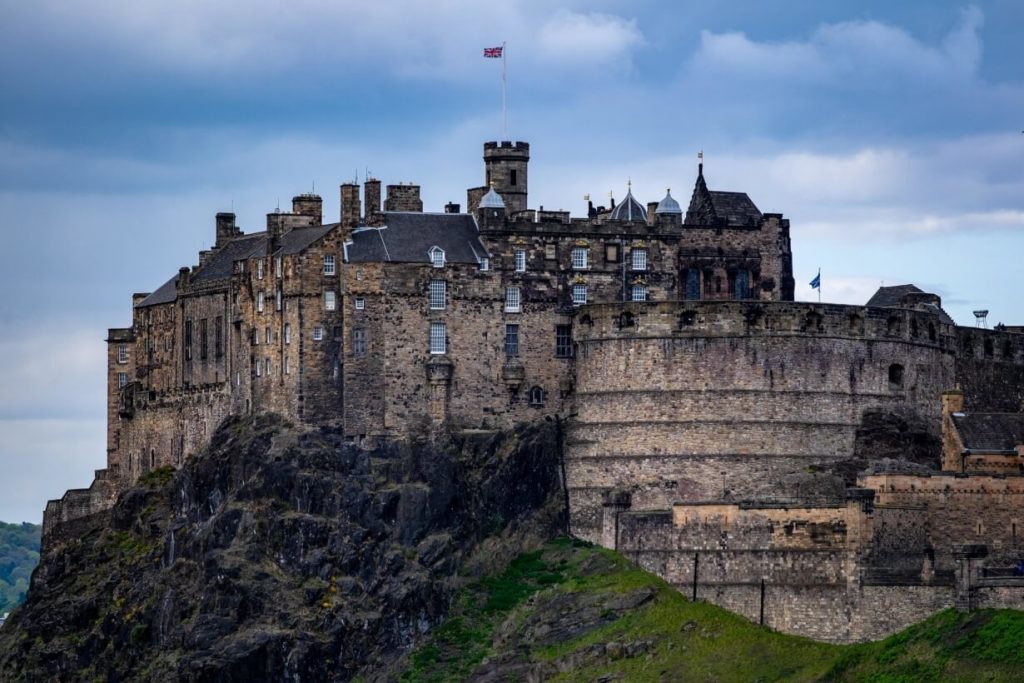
(702, 402)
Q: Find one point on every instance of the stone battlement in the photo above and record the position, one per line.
(684, 319)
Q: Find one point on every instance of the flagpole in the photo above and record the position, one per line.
(504, 94)
(819, 284)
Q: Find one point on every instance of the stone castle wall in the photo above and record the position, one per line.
(689, 401)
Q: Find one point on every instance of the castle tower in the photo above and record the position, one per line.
(506, 164)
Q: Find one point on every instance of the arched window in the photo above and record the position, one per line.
(895, 376)
(536, 396)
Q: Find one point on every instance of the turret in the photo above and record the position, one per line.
(491, 212)
(506, 164)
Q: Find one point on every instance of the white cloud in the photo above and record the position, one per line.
(595, 39)
(846, 52)
(439, 39)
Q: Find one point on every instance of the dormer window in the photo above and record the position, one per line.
(436, 257)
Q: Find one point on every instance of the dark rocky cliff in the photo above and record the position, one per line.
(282, 554)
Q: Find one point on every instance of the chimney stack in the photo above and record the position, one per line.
(371, 195)
(350, 209)
(452, 207)
(309, 205)
(403, 198)
(226, 228)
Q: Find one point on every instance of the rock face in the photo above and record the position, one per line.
(282, 554)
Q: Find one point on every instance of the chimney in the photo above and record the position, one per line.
(350, 209)
(452, 207)
(652, 216)
(275, 228)
(403, 198)
(225, 228)
(953, 401)
(309, 205)
(184, 275)
(473, 197)
(371, 195)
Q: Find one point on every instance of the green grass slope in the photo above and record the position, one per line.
(574, 612)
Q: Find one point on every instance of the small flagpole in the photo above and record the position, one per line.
(819, 284)
(504, 94)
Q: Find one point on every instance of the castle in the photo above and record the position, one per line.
(709, 416)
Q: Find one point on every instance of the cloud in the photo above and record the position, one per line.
(594, 39)
(835, 53)
(343, 40)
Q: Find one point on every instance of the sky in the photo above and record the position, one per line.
(890, 134)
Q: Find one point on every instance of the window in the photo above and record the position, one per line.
(438, 338)
(259, 368)
(563, 341)
(895, 376)
(287, 333)
(359, 341)
(611, 253)
(218, 337)
(203, 338)
(277, 300)
(360, 303)
(580, 258)
(122, 379)
(485, 264)
(579, 294)
(266, 366)
(692, 283)
(259, 269)
(511, 340)
(328, 264)
(512, 177)
(188, 340)
(278, 267)
(742, 285)
(259, 302)
(520, 255)
(536, 396)
(639, 293)
(330, 301)
(438, 295)
(436, 257)
(639, 259)
(255, 337)
(318, 333)
(287, 366)
(122, 353)
(268, 336)
(511, 299)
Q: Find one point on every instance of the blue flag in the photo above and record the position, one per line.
(816, 282)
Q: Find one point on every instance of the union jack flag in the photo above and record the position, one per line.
(492, 52)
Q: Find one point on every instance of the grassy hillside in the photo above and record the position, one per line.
(19, 555)
(573, 612)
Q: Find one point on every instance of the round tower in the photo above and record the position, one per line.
(506, 164)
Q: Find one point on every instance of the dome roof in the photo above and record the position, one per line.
(629, 210)
(492, 200)
(668, 204)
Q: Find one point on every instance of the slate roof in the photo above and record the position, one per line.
(888, 297)
(713, 207)
(222, 262)
(406, 237)
(990, 432)
(668, 204)
(629, 209)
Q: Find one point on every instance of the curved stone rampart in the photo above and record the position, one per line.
(705, 400)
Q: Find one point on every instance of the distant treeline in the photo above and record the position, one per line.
(19, 555)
